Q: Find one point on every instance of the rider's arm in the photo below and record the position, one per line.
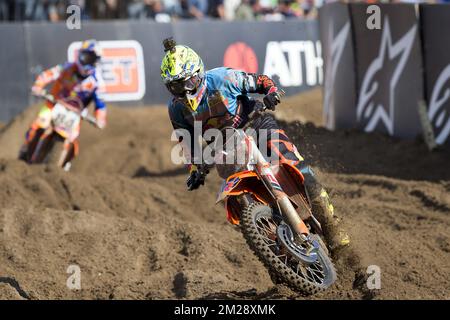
(184, 132)
(45, 78)
(252, 83)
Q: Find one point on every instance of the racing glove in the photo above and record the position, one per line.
(272, 98)
(38, 91)
(196, 178)
(264, 85)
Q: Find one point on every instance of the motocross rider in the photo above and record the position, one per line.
(218, 98)
(69, 80)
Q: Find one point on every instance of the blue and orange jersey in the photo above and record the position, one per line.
(223, 103)
(220, 104)
(65, 82)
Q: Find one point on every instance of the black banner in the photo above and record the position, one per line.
(389, 70)
(339, 80)
(14, 71)
(435, 23)
(289, 51)
(49, 45)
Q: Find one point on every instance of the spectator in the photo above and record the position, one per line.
(153, 9)
(82, 4)
(57, 9)
(36, 10)
(193, 9)
(171, 6)
(260, 11)
(216, 9)
(230, 7)
(285, 9)
(109, 9)
(269, 4)
(245, 11)
(165, 10)
(309, 9)
(4, 10)
(135, 9)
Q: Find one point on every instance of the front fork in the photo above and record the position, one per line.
(42, 149)
(287, 210)
(42, 144)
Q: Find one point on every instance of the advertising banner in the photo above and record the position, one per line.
(14, 71)
(339, 103)
(435, 23)
(389, 70)
(289, 51)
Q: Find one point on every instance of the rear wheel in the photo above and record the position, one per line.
(260, 226)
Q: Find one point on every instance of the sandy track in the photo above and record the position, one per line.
(123, 215)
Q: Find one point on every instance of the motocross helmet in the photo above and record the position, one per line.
(183, 73)
(88, 56)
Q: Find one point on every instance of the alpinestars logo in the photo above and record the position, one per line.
(437, 113)
(372, 107)
(337, 45)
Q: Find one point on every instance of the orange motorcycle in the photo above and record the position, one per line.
(270, 203)
(61, 123)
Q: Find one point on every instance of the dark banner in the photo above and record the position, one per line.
(389, 70)
(289, 51)
(435, 22)
(130, 65)
(339, 72)
(14, 71)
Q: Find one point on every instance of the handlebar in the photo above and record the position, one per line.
(205, 168)
(258, 112)
(85, 116)
(46, 96)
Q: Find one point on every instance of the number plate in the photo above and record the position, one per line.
(65, 121)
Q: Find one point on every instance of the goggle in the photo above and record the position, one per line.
(181, 87)
(88, 58)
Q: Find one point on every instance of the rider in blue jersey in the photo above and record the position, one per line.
(219, 98)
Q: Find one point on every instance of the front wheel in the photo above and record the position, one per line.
(259, 226)
(43, 148)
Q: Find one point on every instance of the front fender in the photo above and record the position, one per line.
(233, 185)
(237, 184)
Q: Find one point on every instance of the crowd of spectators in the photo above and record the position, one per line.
(159, 10)
(168, 10)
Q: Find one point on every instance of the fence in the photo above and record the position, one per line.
(290, 51)
(376, 78)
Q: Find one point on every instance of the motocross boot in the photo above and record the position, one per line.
(23, 153)
(323, 210)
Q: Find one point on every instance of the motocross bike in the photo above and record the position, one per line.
(270, 203)
(61, 123)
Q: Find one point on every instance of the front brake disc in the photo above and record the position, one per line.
(305, 252)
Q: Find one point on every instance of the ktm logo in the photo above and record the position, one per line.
(121, 73)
